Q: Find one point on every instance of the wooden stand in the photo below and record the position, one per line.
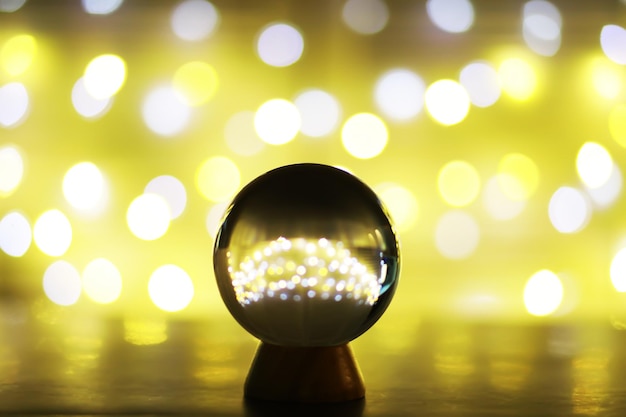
(304, 374)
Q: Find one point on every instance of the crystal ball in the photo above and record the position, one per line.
(306, 255)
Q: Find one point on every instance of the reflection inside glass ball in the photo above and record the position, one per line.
(306, 256)
(300, 268)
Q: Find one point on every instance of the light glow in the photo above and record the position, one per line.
(101, 7)
(194, 20)
(517, 78)
(53, 233)
(498, 202)
(241, 136)
(14, 104)
(457, 235)
(364, 135)
(458, 183)
(196, 82)
(542, 27)
(569, 210)
(102, 281)
(481, 82)
(612, 41)
(277, 121)
(218, 178)
(15, 234)
(543, 293)
(518, 176)
(84, 186)
(11, 169)
(454, 16)
(606, 78)
(173, 192)
(618, 271)
(61, 283)
(170, 288)
(148, 216)
(365, 17)
(104, 76)
(164, 111)
(594, 164)
(85, 104)
(399, 94)
(280, 45)
(17, 54)
(320, 112)
(447, 102)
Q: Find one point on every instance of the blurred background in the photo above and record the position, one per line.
(493, 131)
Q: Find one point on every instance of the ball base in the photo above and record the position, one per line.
(304, 374)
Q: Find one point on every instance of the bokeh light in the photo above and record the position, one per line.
(14, 104)
(85, 104)
(280, 45)
(17, 54)
(196, 82)
(11, 169)
(148, 216)
(53, 233)
(618, 271)
(365, 17)
(447, 102)
(518, 176)
(15, 234)
(173, 192)
(617, 124)
(62, 284)
(401, 203)
(104, 76)
(170, 288)
(164, 112)
(543, 293)
(277, 121)
(497, 201)
(569, 210)
(84, 186)
(612, 41)
(102, 281)
(594, 164)
(542, 27)
(458, 183)
(320, 112)
(214, 218)
(457, 235)
(364, 135)
(606, 78)
(607, 194)
(454, 16)
(399, 94)
(10, 6)
(218, 178)
(240, 134)
(194, 20)
(517, 78)
(101, 6)
(481, 82)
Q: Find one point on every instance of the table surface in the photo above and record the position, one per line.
(73, 365)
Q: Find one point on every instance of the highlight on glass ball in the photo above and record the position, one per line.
(306, 256)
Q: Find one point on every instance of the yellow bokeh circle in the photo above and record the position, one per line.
(458, 183)
(218, 178)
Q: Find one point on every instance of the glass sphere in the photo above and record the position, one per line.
(306, 256)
